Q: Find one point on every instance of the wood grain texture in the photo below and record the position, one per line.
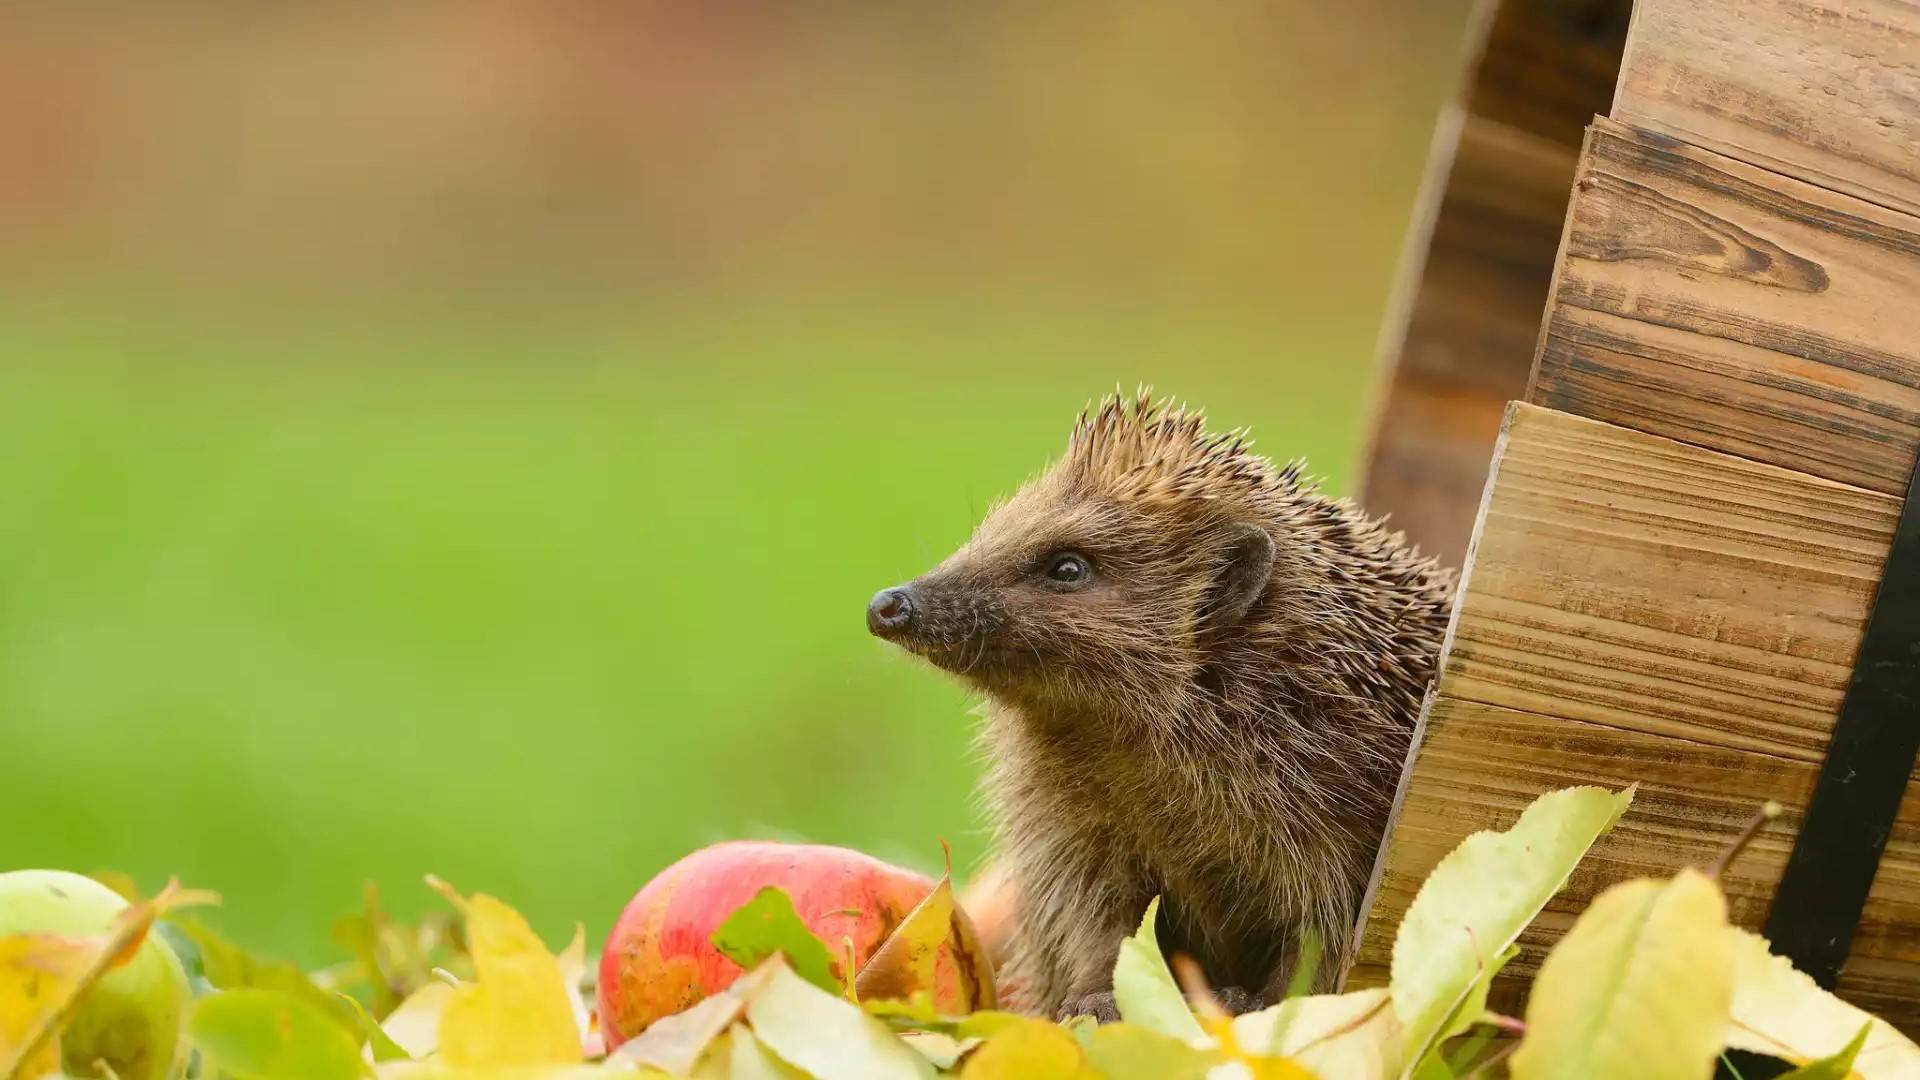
(1640, 610)
(1716, 303)
(1823, 90)
(1639, 583)
(1460, 336)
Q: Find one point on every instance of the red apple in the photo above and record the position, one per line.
(660, 957)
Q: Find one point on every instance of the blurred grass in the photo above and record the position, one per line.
(539, 610)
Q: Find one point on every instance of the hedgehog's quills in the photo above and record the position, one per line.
(1201, 677)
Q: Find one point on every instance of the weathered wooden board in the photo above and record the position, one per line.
(1707, 300)
(1824, 90)
(1469, 333)
(1638, 609)
(1550, 65)
(1643, 584)
(1460, 337)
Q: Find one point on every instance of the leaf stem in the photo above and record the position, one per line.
(1193, 982)
(1512, 1025)
(1767, 812)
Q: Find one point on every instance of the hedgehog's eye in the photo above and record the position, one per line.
(1068, 568)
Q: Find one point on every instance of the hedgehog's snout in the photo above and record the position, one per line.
(890, 610)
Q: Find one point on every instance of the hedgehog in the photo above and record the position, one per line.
(1201, 676)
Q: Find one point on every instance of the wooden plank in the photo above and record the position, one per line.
(1550, 65)
(1640, 610)
(1716, 303)
(1823, 90)
(1461, 331)
(1469, 333)
(1642, 584)
(1479, 765)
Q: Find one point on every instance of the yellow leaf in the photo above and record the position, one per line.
(415, 1023)
(1354, 1036)
(573, 973)
(1237, 1061)
(1125, 1051)
(1033, 1050)
(905, 961)
(941, 1050)
(517, 1011)
(1641, 986)
(909, 959)
(1780, 1011)
(433, 1070)
(40, 975)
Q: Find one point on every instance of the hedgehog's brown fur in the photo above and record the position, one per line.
(1177, 727)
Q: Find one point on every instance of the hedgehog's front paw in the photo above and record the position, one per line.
(1237, 1002)
(1099, 1005)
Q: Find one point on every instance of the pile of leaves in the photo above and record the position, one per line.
(1650, 981)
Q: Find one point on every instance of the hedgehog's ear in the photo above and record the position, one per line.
(1242, 578)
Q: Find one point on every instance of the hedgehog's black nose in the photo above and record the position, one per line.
(890, 611)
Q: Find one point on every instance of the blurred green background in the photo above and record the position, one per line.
(463, 436)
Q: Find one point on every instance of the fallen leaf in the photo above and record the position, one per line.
(378, 1043)
(272, 1035)
(394, 959)
(1432, 1065)
(1355, 1036)
(918, 1013)
(1033, 1050)
(359, 935)
(939, 1048)
(676, 1043)
(1640, 986)
(1782, 1012)
(41, 977)
(1144, 989)
(1478, 899)
(227, 966)
(748, 1059)
(573, 976)
(909, 959)
(767, 924)
(1837, 1066)
(820, 1032)
(120, 882)
(516, 1012)
(1125, 1051)
(414, 1024)
(433, 1070)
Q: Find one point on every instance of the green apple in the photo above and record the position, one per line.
(130, 1019)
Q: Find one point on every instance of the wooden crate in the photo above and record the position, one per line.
(1677, 549)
